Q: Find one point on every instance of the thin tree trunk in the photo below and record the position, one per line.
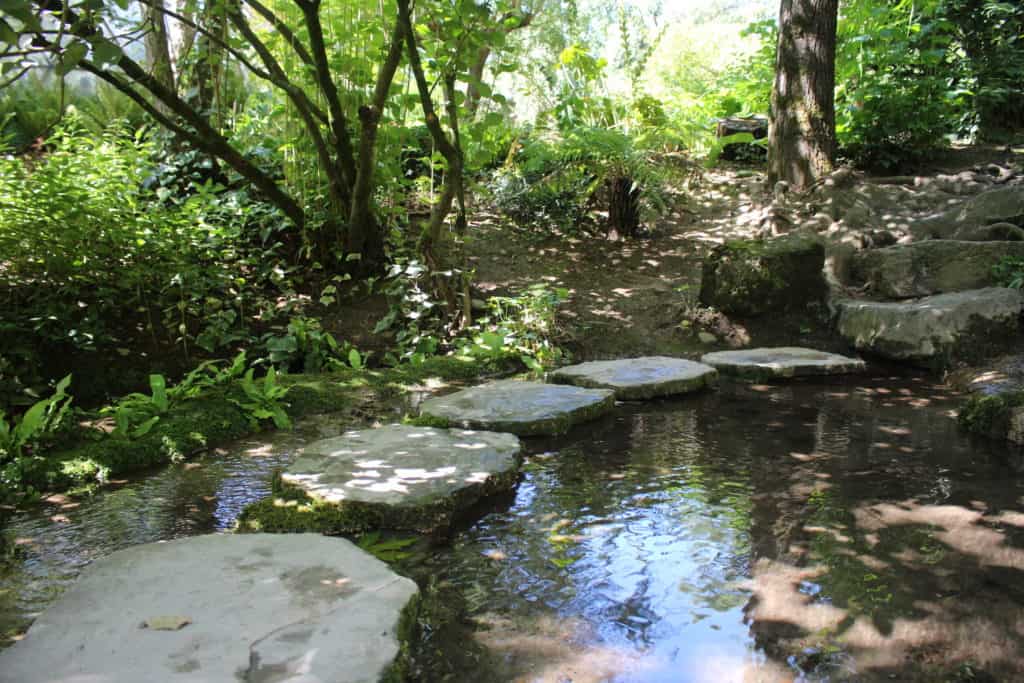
(802, 133)
(158, 48)
(364, 232)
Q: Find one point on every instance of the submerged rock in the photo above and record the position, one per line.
(396, 477)
(783, 361)
(753, 277)
(250, 607)
(639, 378)
(935, 331)
(524, 408)
(931, 267)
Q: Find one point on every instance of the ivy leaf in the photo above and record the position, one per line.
(105, 52)
(72, 56)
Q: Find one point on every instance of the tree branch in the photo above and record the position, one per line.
(281, 28)
(361, 218)
(345, 156)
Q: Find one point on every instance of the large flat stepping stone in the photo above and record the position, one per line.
(395, 477)
(254, 607)
(935, 331)
(781, 362)
(524, 408)
(639, 378)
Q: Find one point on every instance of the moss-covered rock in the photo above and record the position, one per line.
(994, 415)
(289, 509)
(754, 277)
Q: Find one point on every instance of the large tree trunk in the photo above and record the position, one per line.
(802, 133)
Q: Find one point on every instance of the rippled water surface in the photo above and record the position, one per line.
(812, 531)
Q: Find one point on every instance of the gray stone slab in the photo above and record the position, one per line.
(931, 267)
(935, 331)
(260, 607)
(639, 378)
(524, 408)
(400, 465)
(780, 362)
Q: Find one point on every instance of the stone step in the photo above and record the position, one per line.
(639, 378)
(395, 477)
(524, 408)
(936, 331)
(781, 362)
(254, 607)
(931, 267)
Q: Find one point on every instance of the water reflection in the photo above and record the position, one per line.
(808, 531)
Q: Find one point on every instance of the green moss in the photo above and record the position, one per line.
(290, 510)
(990, 415)
(212, 420)
(752, 277)
(436, 642)
(427, 421)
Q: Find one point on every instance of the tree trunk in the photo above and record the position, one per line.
(623, 207)
(158, 47)
(802, 133)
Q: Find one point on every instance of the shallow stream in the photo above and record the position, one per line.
(840, 530)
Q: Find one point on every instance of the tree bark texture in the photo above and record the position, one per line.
(802, 132)
(158, 45)
(623, 207)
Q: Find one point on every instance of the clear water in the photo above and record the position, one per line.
(811, 531)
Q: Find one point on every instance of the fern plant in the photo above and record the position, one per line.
(622, 171)
(42, 419)
(263, 401)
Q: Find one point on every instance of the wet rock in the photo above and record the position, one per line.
(395, 477)
(753, 277)
(931, 267)
(784, 361)
(524, 408)
(936, 331)
(639, 378)
(260, 608)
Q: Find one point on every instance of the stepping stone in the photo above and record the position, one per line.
(395, 477)
(935, 331)
(784, 361)
(639, 378)
(254, 607)
(524, 408)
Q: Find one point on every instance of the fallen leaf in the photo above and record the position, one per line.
(166, 623)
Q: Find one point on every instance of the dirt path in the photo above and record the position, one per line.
(626, 298)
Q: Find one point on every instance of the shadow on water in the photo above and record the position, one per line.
(808, 531)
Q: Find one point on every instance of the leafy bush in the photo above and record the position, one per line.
(101, 251)
(560, 179)
(34, 105)
(21, 440)
(521, 326)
